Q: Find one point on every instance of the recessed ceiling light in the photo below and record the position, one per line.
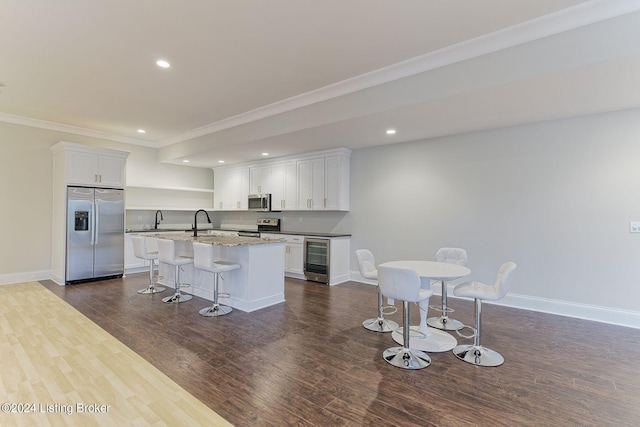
(391, 131)
(142, 131)
(185, 161)
(265, 154)
(220, 161)
(162, 63)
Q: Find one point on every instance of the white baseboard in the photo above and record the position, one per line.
(30, 276)
(595, 313)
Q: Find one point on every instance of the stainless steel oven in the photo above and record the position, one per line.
(316, 259)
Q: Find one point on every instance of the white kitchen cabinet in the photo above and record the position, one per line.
(231, 189)
(315, 181)
(284, 186)
(337, 183)
(293, 253)
(260, 180)
(94, 166)
(311, 184)
(323, 183)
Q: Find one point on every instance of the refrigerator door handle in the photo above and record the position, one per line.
(96, 217)
(91, 224)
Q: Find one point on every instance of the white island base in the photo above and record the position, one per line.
(258, 283)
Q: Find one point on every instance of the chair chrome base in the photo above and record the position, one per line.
(177, 298)
(380, 325)
(152, 290)
(478, 355)
(444, 323)
(406, 358)
(215, 310)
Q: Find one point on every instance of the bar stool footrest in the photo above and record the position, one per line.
(439, 309)
(473, 332)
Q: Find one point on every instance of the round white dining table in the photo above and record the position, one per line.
(429, 339)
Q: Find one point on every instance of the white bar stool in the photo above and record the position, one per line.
(404, 284)
(167, 255)
(203, 260)
(444, 322)
(475, 353)
(367, 266)
(140, 250)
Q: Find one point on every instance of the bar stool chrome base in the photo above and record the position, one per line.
(406, 358)
(177, 298)
(444, 323)
(215, 310)
(152, 290)
(478, 355)
(380, 325)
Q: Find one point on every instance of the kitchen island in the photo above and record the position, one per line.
(258, 283)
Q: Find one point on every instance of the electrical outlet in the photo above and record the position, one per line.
(634, 227)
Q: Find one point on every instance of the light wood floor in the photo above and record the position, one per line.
(53, 359)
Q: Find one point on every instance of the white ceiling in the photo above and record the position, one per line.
(292, 76)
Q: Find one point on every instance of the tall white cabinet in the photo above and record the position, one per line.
(77, 164)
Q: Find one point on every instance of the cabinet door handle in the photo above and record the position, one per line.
(325, 202)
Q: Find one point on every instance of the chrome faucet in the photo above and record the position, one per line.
(195, 221)
(155, 227)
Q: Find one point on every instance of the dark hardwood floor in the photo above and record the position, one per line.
(309, 361)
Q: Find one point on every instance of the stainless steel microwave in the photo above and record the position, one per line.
(260, 202)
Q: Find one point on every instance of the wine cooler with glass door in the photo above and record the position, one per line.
(316, 259)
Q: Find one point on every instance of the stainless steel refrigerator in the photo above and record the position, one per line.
(95, 233)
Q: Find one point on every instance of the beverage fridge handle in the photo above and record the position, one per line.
(96, 221)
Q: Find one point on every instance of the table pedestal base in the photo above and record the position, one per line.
(435, 341)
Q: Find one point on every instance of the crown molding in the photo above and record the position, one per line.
(74, 130)
(563, 20)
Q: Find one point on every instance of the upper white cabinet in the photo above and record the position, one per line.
(316, 181)
(94, 166)
(231, 189)
(311, 184)
(260, 179)
(336, 183)
(284, 186)
(323, 184)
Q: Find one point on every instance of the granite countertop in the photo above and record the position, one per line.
(308, 233)
(295, 233)
(216, 240)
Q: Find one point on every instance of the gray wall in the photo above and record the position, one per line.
(555, 197)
